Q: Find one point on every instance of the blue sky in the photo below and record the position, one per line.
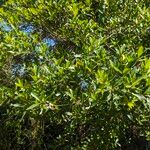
(27, 29)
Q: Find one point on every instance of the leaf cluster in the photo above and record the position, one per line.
(90, 89)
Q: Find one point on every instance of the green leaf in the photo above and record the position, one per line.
(32, 106)
(101, 76)
(140, 51)
(147, 91)
(75, 10)
(16, 105)
(33, 95)
(70, 93)
(147, 64)
(126, 70)
(139, 96)
(138, 80)
(19, 83)
(88, 2)
(131, 104)
(114, 67)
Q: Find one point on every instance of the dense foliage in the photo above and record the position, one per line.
(74, 74)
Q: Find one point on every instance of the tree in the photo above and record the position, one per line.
(74, 74)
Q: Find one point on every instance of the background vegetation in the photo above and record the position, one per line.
(74, 74)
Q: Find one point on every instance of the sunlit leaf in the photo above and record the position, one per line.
(32, 106)
(140, 51)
